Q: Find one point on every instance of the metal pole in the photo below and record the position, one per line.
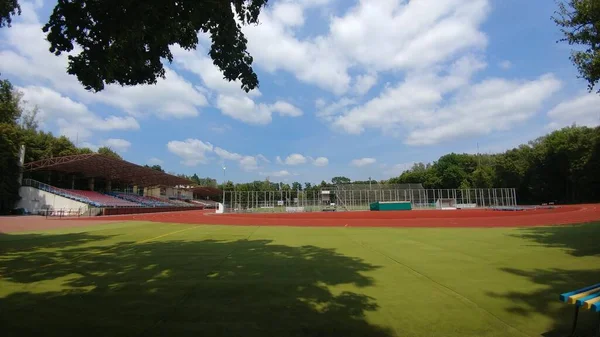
(224, 182)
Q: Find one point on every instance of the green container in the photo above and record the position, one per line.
(391, 206)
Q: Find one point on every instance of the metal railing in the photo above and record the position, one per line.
(360, 199)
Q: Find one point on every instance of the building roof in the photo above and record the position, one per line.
(205, 191)
(97, 165)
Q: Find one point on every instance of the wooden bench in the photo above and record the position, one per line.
(587, 298)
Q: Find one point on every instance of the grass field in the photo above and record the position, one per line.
(152, 279)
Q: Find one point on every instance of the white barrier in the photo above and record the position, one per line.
(465, 205)
(294, 209)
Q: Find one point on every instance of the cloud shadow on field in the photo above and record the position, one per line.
(181, 288)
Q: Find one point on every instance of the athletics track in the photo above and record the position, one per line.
(561, 215)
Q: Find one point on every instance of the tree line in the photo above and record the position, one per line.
(563, 167)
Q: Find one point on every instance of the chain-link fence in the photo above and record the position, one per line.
(345, 199)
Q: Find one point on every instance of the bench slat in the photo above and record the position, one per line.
(589, 304)
(582, 301)
(574, 298)
(565, 297)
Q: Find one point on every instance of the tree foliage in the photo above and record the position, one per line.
(125, 42)
(579, 21)
(155, 167)
(562, 166)
(340, 180)
(8, 9)
(107, 151)
(10, 112)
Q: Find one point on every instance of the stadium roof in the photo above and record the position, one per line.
(205, 191)
(97, 165)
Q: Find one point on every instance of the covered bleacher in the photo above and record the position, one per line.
(203, 195)
(116, 186)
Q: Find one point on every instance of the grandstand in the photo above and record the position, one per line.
(96, 184)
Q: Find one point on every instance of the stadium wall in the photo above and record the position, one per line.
(35, 200)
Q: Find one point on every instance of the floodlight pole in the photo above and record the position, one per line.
(224, 182)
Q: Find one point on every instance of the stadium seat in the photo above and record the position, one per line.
(102, 200)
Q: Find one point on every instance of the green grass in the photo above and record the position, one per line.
(150, 279)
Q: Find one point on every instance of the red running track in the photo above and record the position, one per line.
(430, 218)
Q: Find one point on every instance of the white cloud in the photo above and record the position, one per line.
(73, 119)
(286, 109)
(321, 161)
(289, 14)
(192, 151)
(155, 161)
(440, 105)
(363, 162)
(117, 144)
(222, 128)
(583, 110)
(170, 97)
(263, 158)
(247, 163)
(327, 111)
(506, 64)
(389, 35)
(397, 169)
(244, 109)
(277, 174)
(379, 36)
(364, 83)
(229, 97)
(279, 161)
(316, 61)
(295, 159)
(224, 154)
(492, 105)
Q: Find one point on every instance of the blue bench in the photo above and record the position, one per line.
(587, 298)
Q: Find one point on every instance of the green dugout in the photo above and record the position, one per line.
(391, 206)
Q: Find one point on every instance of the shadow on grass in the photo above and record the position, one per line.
(577, 240)
(27, 242)
(184, 288)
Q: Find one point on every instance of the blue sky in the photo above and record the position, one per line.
(354, 88)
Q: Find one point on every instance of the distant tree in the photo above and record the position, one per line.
(85, 150)
(9, 149)
(195, 179)
(10, 140)
(10, 100)
(134, 53)
(296, 186)
(483, 177)
(107, 151)
(29, 119)
(340, 180)
(579, 21)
